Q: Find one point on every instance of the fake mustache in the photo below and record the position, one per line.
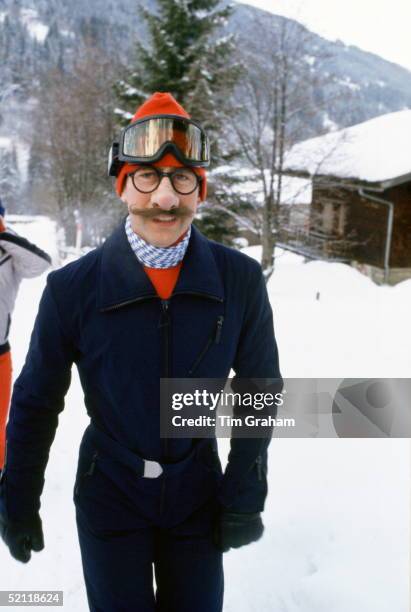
(150, 213)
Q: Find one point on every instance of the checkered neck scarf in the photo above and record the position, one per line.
(153, 256)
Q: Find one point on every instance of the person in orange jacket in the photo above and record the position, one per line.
(19, 259)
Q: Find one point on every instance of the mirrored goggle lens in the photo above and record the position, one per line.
(144, 140)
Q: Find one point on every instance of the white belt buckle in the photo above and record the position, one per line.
(152, 469)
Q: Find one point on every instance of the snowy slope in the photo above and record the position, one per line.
(375, 150)
(337, 515)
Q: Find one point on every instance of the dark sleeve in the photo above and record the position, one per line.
(244, 485)
(38, 398)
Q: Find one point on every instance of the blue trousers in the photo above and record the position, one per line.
(132, 530)
(118, 568)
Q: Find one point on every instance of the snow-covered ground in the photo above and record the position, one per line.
(337, 515)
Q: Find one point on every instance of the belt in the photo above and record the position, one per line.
(145, 468)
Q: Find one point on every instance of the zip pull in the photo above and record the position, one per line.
(200, 357)
(90, 471)
(218, 330)
(259, 461)
(214, 337)
(164, 317)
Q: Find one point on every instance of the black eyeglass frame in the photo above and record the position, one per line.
(161, 174)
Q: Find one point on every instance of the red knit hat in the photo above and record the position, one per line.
(161, 104)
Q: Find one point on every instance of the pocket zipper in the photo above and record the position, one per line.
(90, 471)
(215, 337)
(259, 462)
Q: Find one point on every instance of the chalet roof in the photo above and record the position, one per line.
(375, 151)
(294, 190)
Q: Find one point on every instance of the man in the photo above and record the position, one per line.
(157, 300)
(18, 259)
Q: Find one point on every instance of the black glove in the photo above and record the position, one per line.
(233, 529)
(22, 537)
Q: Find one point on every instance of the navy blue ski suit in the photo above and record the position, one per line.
(103, 314)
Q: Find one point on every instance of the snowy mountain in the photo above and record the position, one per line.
(358, 85)
(35, 34)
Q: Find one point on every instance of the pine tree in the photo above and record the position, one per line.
(187, 58)
(10, 183)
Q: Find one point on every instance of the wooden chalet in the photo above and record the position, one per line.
(361, 197)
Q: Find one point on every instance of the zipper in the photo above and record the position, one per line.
(127, 302)
(165, 324)
(219, 327)
(214, 338)
(259, 462)
(89, 472)
(199, 294)
(165, 321)
(151, 296)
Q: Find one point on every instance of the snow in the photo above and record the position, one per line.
(122, 113)
(201, 13)
(130, 91)
(347, 82)
(373, 151)
(337, 515)
(329, 124)
(223, 40)
(22, 153)
(310, 59)
(36, 28)
(23, 158)
(67, 33)
(6, 143)
(294, 190)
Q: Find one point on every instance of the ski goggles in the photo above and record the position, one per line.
(146, 141)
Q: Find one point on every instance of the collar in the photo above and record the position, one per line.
(149, 255)
(123, 280)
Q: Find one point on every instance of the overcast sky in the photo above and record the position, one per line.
(380, 26)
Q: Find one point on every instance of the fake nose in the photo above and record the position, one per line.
(164, 196)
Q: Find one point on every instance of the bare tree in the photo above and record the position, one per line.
(74, 129)
(281, 101)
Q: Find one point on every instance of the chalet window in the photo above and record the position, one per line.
(328, 218)
(333, 217)
(342, 220)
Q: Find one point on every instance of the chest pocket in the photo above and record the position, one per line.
(214, 338)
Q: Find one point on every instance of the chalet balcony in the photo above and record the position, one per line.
(314, 245)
